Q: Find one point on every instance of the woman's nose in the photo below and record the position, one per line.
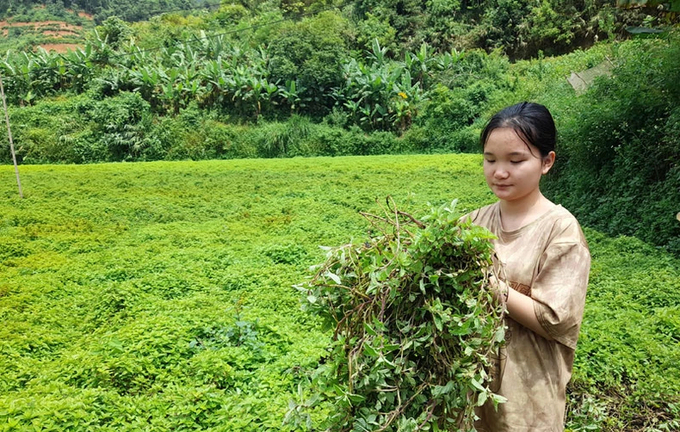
(500, 173)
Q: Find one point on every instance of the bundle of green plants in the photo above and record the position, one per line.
(415, 324)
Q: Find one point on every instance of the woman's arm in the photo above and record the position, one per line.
(521, 308)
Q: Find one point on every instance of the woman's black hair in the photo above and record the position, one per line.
(532, 122)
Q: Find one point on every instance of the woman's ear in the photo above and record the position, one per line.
(548, 162)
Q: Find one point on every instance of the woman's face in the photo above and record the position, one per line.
(512, 168)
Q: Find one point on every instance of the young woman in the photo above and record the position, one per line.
(543, 262)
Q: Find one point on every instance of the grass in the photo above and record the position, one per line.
(158, 296)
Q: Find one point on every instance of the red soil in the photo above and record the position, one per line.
(62, 25)
(64, 28)
(82, 14)
(60, 48)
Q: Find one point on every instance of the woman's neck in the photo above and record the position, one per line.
(519, 213)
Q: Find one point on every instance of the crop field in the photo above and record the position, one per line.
(158, 296)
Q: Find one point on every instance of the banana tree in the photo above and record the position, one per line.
(113, 81)
(102, 52)
(46, 72)
(16, 74)
(213, 78)
(290, 95)
(80, 68)
(170, 89)
(420, 63)
(407, 98)
(448, 60)
(378, 54)
(146, 81)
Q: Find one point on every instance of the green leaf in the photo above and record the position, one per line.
(477, 385)
(481, 399)
(438, 322)
(438, 391)
(334, 277)
(369, 329)
(370, 351)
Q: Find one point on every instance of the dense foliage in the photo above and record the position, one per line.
(415, 325)
(101, 9)
(620, 170)
(221, 98)
(158, 296)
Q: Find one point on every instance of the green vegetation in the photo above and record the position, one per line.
(632, 295)
(43, 27)
(622, 145)
(307, 94)
(159, 296)
(101, 9)
(415, 325)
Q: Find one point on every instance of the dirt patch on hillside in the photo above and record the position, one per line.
(49, 28)
(82, 14)
(60, 48)
(59, 33)
(41, 24)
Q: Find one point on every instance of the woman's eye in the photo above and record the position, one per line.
(516, 162)
(489, 160)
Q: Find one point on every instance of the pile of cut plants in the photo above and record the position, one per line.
(415, 327)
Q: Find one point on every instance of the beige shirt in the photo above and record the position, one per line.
(548, 260)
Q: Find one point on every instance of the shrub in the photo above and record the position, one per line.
(311, 53)
(621, 147)
(447, 118)
(49, 131)
(120, 125)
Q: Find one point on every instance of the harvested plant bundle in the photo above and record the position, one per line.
(416, 327)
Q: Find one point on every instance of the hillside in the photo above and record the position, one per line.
(98, 9)
(52, 29)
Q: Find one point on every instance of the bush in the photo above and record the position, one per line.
(282, 139)
(447, 119)
(621, 144)
(298, 136)
(311, 53)
(120, 126)
(199, 135)
(46, 132)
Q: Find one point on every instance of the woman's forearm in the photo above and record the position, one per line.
(521, 308)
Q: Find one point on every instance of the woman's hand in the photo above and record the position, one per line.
(500, 290)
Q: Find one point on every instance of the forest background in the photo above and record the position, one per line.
(279, 79)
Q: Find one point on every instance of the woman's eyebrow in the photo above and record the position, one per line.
(509, 154)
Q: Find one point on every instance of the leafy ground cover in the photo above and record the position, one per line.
(159, 296)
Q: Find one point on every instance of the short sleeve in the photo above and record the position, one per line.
(480, 216)
(559, 289)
